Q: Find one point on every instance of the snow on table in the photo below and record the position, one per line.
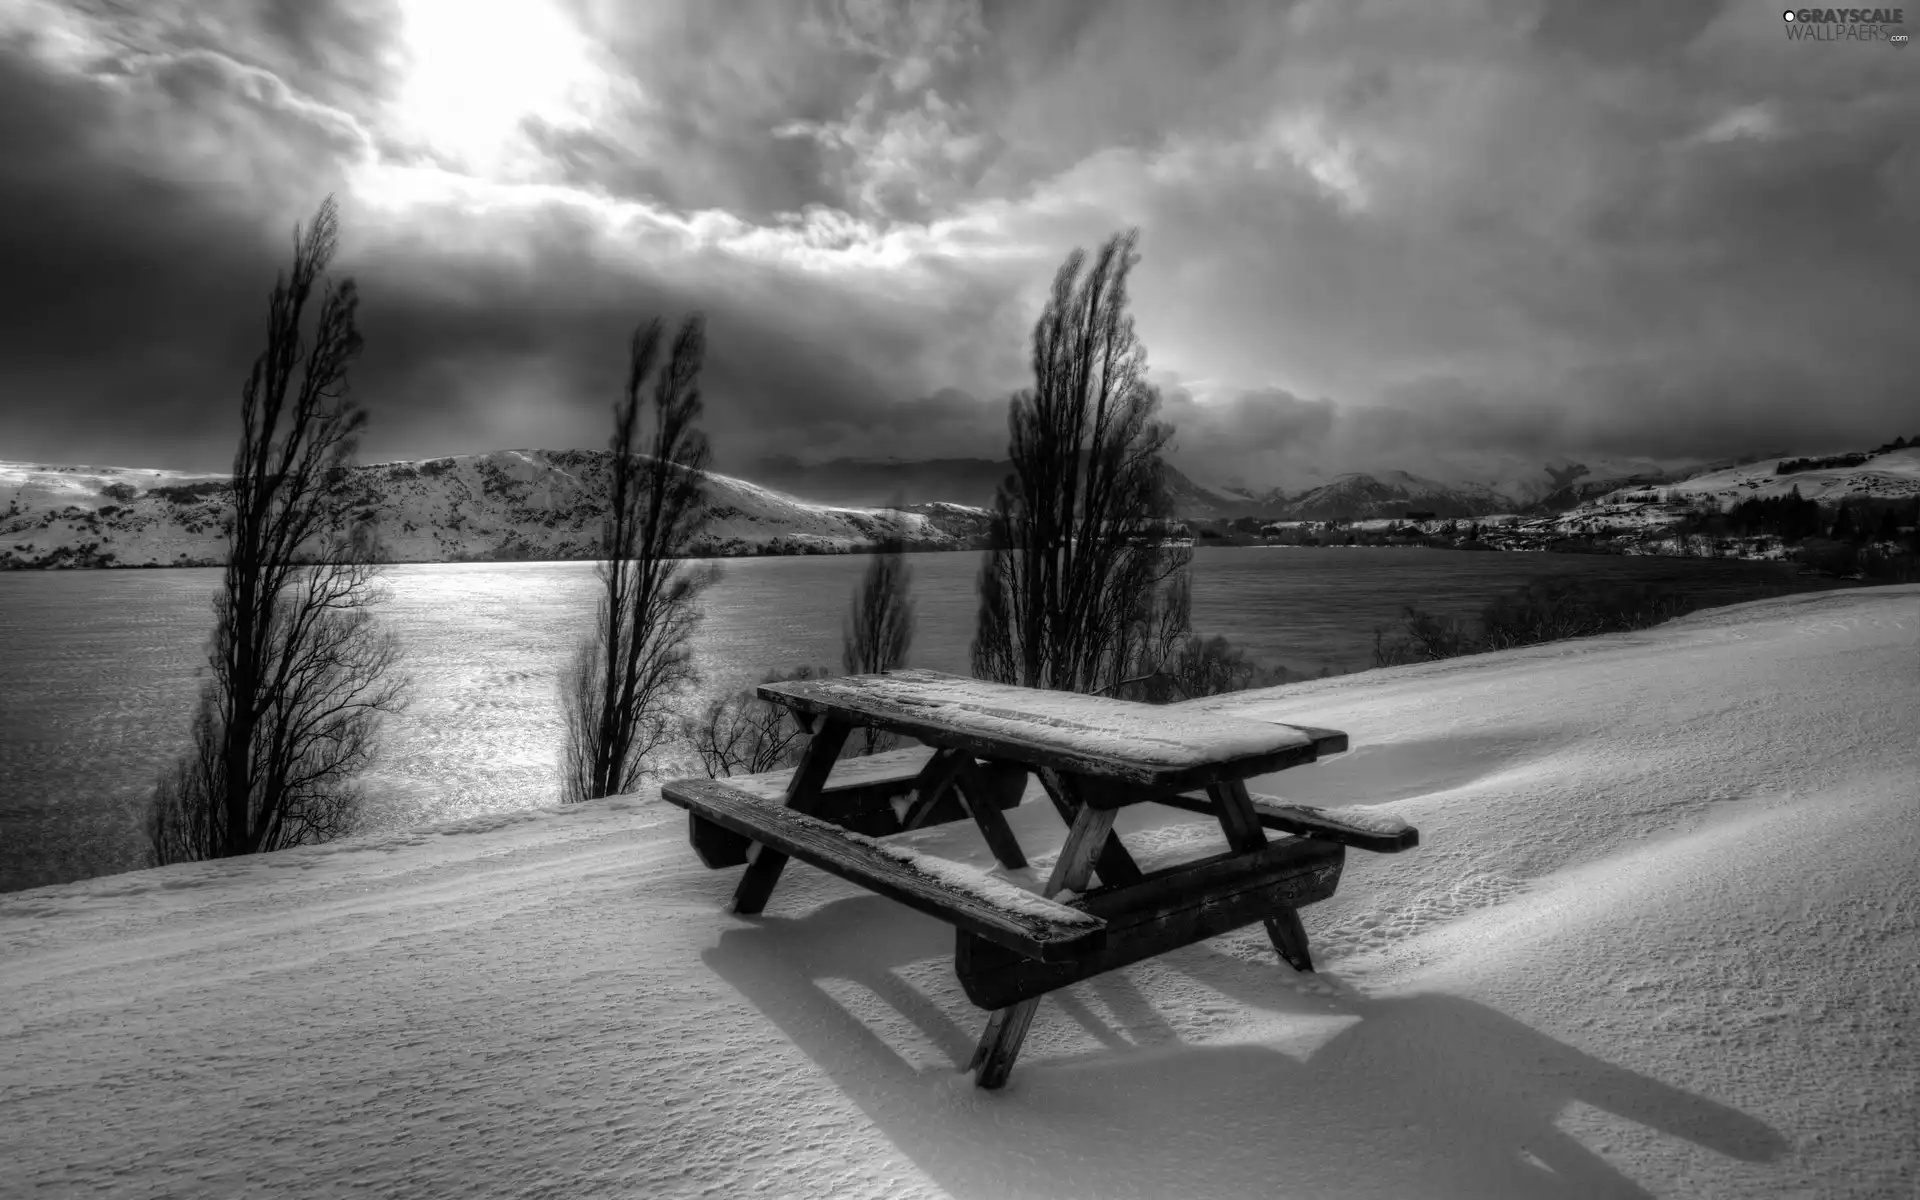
(1149, 745)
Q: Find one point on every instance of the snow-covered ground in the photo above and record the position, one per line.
(1661, 939)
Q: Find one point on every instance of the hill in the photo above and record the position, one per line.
(965, 481)
(507, 505)
(538, 504)
(1883, 474)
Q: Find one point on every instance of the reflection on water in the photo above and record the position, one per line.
(97, 668)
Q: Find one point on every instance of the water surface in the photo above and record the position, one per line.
(97, 668)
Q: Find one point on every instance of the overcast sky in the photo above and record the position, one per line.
(1372, 234)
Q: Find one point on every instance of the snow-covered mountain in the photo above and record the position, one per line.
(1356, 497)
(964, 481)
(1885, 474)
(971, 481)
(539, 504)
(510, 504)
(879, 481)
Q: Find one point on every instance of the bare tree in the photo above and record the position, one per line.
(1069, 591)
(878, 630)
(300, 676)
(619, 690)
(742, 734)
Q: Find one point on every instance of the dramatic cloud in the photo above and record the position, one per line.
(1444, 236)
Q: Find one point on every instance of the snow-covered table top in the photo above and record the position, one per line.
(1155, 747)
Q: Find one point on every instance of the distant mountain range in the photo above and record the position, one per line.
(540, 504)
(503, 506)
(1350, 497)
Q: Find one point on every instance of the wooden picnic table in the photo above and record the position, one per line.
(1093, 756)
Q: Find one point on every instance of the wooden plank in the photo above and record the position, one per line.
(994, 909)
(1248, 707)
(986, 796)
(1074, 867)
(848, 774)
(1154, 747)
(1234, 808)
(1172, 908)
(1307, 821)
(716, 845)
(1114, 864)
(1007, 1028)
(802, 795)
(1242, 826)
(931, 785)
(1325, 741)
(1289, 938)
(860, 792)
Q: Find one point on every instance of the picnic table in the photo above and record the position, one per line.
(1093, 756)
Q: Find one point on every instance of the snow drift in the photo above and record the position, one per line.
(1660, 939)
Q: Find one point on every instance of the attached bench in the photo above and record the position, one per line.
(994, 910)
(870, 795)
(1165, 910)
(1358, 828)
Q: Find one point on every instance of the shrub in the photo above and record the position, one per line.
(1543, 610)
(189, 493)
(743, 734)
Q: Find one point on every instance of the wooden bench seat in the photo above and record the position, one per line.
(1359, 828)
(865, 795)
(992, 909)
(1164, 910)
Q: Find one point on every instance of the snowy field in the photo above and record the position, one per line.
(1660, 939)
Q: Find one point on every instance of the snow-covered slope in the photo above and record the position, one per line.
(513, 504)
(1659, 939)
(1391, 494)
(1884, 474)
(1378, 495)
(1557, 481)
(966, 481)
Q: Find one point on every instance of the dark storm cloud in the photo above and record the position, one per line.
(150, 198)
(1373, 235)
(474, 356)
(132, 273)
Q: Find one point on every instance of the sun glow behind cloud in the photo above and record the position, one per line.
(477, 70)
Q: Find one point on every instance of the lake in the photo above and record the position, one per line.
(97, 668)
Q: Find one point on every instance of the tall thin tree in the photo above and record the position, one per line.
(619, 690)
(878, 630)
(1069, 590)
(300, 675)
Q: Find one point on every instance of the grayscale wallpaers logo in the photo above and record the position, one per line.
(1847, 25)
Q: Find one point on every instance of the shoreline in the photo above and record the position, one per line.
(1584, 550)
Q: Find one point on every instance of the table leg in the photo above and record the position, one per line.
(982, 795)
(1114, 865)
(1242, 827)
(803, 795)
(978, 793)
(1007, 1028)
(934, 780)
